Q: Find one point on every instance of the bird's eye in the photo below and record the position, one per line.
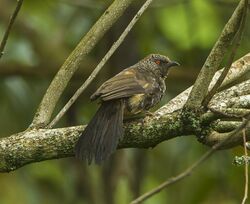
(157, 62)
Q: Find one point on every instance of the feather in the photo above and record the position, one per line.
(122, 85)
(100, 138)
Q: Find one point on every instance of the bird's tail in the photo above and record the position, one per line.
(100, 138)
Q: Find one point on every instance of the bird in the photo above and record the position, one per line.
(134, 90)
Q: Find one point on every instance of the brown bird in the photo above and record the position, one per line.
(135, 89)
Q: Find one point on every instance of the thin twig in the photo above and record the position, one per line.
(50, 99)
(235, 46)
(101, 64)
(246, 167)
(11, 22)
(190, 169)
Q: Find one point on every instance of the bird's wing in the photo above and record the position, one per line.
(122, 85)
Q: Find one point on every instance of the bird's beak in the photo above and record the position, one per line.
(173, 63)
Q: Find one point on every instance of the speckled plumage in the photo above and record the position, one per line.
(135, 89)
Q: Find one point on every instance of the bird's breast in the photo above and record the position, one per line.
(142, 102)
(135, 104)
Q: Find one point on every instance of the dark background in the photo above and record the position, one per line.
(45, 33)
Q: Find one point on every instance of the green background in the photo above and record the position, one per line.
(44, 34)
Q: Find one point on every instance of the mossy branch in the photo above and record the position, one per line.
(213, 61)
(43, 144)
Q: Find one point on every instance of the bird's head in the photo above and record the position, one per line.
(160, 63)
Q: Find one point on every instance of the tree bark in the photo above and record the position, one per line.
(43, 144)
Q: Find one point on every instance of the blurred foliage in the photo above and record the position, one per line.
(44, 35)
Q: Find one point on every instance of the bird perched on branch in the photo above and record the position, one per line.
(133, 90)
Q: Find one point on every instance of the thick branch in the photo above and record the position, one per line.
(42, 144)
(228, 96)
(215, 58)
(59, 83)
(193, 166)
(236, 44)
(215, 138)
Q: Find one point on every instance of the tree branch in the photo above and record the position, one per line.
(246, 167)
(236, 44)
(100, 65)
(11, 22)
(43, 144)
(194, 166)
(88, 42)
(214, 59)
